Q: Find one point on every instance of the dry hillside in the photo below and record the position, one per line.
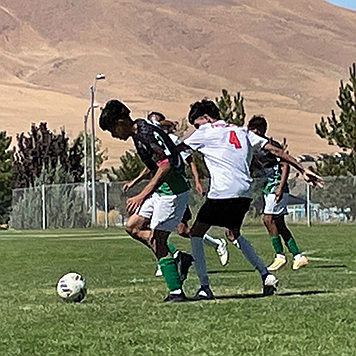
(286, 57)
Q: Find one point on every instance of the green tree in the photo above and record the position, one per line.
(42, 150)
(231, 110)
(130, 167)
(6, 157)
(341, 130)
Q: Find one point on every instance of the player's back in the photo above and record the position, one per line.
(227, 151)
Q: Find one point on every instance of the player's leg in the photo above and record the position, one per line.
(167, 212)
(218, 244)
(271, 210)
(235, 213)
(136, 227)
(299, 259)
(197, 232)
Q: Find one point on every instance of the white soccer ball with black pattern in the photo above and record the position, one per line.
(71, 287)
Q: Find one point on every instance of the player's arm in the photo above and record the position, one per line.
(132, 204)
(285, 168)
(193, 167)
(309, 176)
(143, 174)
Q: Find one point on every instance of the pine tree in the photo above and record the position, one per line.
(232, 111)
(6, 156)
(341, 130)
(130, 167)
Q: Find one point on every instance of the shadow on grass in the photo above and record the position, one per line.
(328, 266)
(253, 271)
(232, 271)
(260, 295)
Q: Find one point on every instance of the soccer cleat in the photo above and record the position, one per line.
(299, 262)
(175, 298)
(204, 293)
(278, 263)
(158, 272)
(184, 261)
(222, 252)
(270, 283)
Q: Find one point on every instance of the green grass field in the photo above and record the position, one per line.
(313, 313)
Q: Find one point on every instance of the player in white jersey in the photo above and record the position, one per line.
(227, 151)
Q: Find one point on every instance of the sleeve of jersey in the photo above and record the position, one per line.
(256, 140)
(196, 140)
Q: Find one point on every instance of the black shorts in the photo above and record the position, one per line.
(187, 215)
(227, 213)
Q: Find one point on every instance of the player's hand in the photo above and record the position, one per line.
(127, 186)
(200, 188)
(278, 193)
(313, 179)
(133, 203)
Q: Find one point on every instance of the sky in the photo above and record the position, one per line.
(351, 4)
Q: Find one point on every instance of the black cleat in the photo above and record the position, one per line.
(204, 293)
(184, 261)
(270, 283)
(175, 298)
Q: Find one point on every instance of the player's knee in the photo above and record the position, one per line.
(183, 230)
(132, 230)
(267, 220)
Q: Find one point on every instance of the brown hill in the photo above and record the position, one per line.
(286, 57)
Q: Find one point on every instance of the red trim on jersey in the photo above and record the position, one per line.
(163, 161)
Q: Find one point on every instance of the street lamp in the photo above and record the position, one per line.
(92, 92)
(85, 122)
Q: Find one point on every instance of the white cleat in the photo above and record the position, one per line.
(158, 272)
(222, 252)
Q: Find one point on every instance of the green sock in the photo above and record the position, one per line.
(172, 249)
(292, 246)
(170, 272)
(277, 244)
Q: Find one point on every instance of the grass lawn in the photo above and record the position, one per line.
(313, 313)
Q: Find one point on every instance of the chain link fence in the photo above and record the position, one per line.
(70, 205)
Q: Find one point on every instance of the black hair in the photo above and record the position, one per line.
(258, 122)
(156, 113)
(201, 108)
(113, 111)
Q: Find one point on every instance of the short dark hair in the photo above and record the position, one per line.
(113, 111)
(201, 108)
(156, 113)
(258, 122)
(168, 126)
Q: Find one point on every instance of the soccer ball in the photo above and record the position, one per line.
(71, 287)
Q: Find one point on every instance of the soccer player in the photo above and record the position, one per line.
(227, 151)
(162, 202)
(169, 127)
(274, 174)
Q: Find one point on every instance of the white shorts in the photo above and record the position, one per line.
(164, 211)
(276, 208)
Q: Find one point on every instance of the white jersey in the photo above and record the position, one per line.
(227, 151)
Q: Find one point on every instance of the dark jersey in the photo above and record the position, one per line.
(154, 146)
(265, 165)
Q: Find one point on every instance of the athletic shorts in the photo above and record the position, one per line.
(164, 211)
(227, 213)
(273, 207)
(187, 215)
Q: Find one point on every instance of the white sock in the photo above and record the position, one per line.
(176, 291)
(210, 241)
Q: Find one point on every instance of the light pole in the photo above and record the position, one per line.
(85, 123)
(92, 92)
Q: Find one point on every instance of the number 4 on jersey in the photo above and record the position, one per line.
(234, 140)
